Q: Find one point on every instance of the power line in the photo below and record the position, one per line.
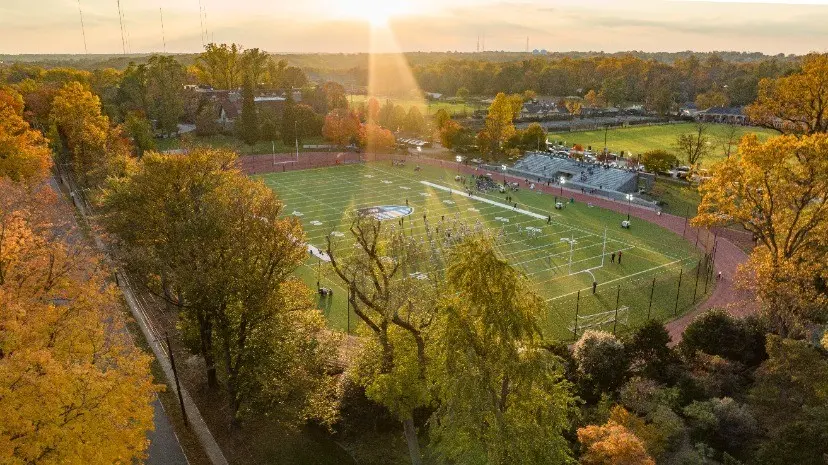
(121, 20)
(83, 29)
(201, 19)
(163, 36)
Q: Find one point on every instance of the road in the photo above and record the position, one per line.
(164, 448)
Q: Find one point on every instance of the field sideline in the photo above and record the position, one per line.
(325, 200)
(639, 139)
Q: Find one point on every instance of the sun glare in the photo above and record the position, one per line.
(376, 12)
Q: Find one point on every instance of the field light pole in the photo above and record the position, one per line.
(563, 181)
(606, 128)
(629, 205)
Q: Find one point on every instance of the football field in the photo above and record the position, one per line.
(561, 257)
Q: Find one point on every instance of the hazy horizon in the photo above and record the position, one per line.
(344, 26)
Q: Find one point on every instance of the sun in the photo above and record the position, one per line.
(375, 12)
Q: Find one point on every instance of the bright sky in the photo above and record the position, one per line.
(54, 26)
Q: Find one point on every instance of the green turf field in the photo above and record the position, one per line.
(639, 139)
(325, 200)
(426, 107)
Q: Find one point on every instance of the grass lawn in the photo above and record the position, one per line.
(639, 139)
(426, 107)
(226, 141)
(325, 200)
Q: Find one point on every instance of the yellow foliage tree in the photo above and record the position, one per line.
(778, 190)
(95, 150)
(376, 139)
(73, 388)
(797, 103)
(611, 444)
(24, 155)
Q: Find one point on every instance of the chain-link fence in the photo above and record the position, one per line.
(661, 295)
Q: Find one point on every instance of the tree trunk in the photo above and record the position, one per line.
(413, 441)
(206, 333)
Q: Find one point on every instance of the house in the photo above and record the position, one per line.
(725, 115)
(688, 109)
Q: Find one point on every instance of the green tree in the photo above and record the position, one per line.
(248, 127)
(441, 118)
(658, 161)
(414, 121)
(397, 310)
(534, 137)
(165, 92)
(502, 395)
(602, 363)
(219, 66)
(215, 245)
(716, 332)
(139, 129)
(790, 399)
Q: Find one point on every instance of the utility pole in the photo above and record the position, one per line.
(177, 384)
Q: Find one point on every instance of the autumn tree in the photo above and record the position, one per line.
(93, 149)
(24, 155)
(693, 147)
(341, 127)
(500, 121)
(797, 103)
(73, 387)
(376, 139)
(611, 444)
(778, 191)
(710, 99)
(448, 133)
(502, 396)
(593, 99)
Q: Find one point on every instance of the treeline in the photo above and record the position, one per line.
(626, 79)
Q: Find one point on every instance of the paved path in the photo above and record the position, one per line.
(164, 448)
(727, 255)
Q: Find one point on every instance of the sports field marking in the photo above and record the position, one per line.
(616, 279)
(489, 201)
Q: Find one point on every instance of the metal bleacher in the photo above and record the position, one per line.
(589, 176)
